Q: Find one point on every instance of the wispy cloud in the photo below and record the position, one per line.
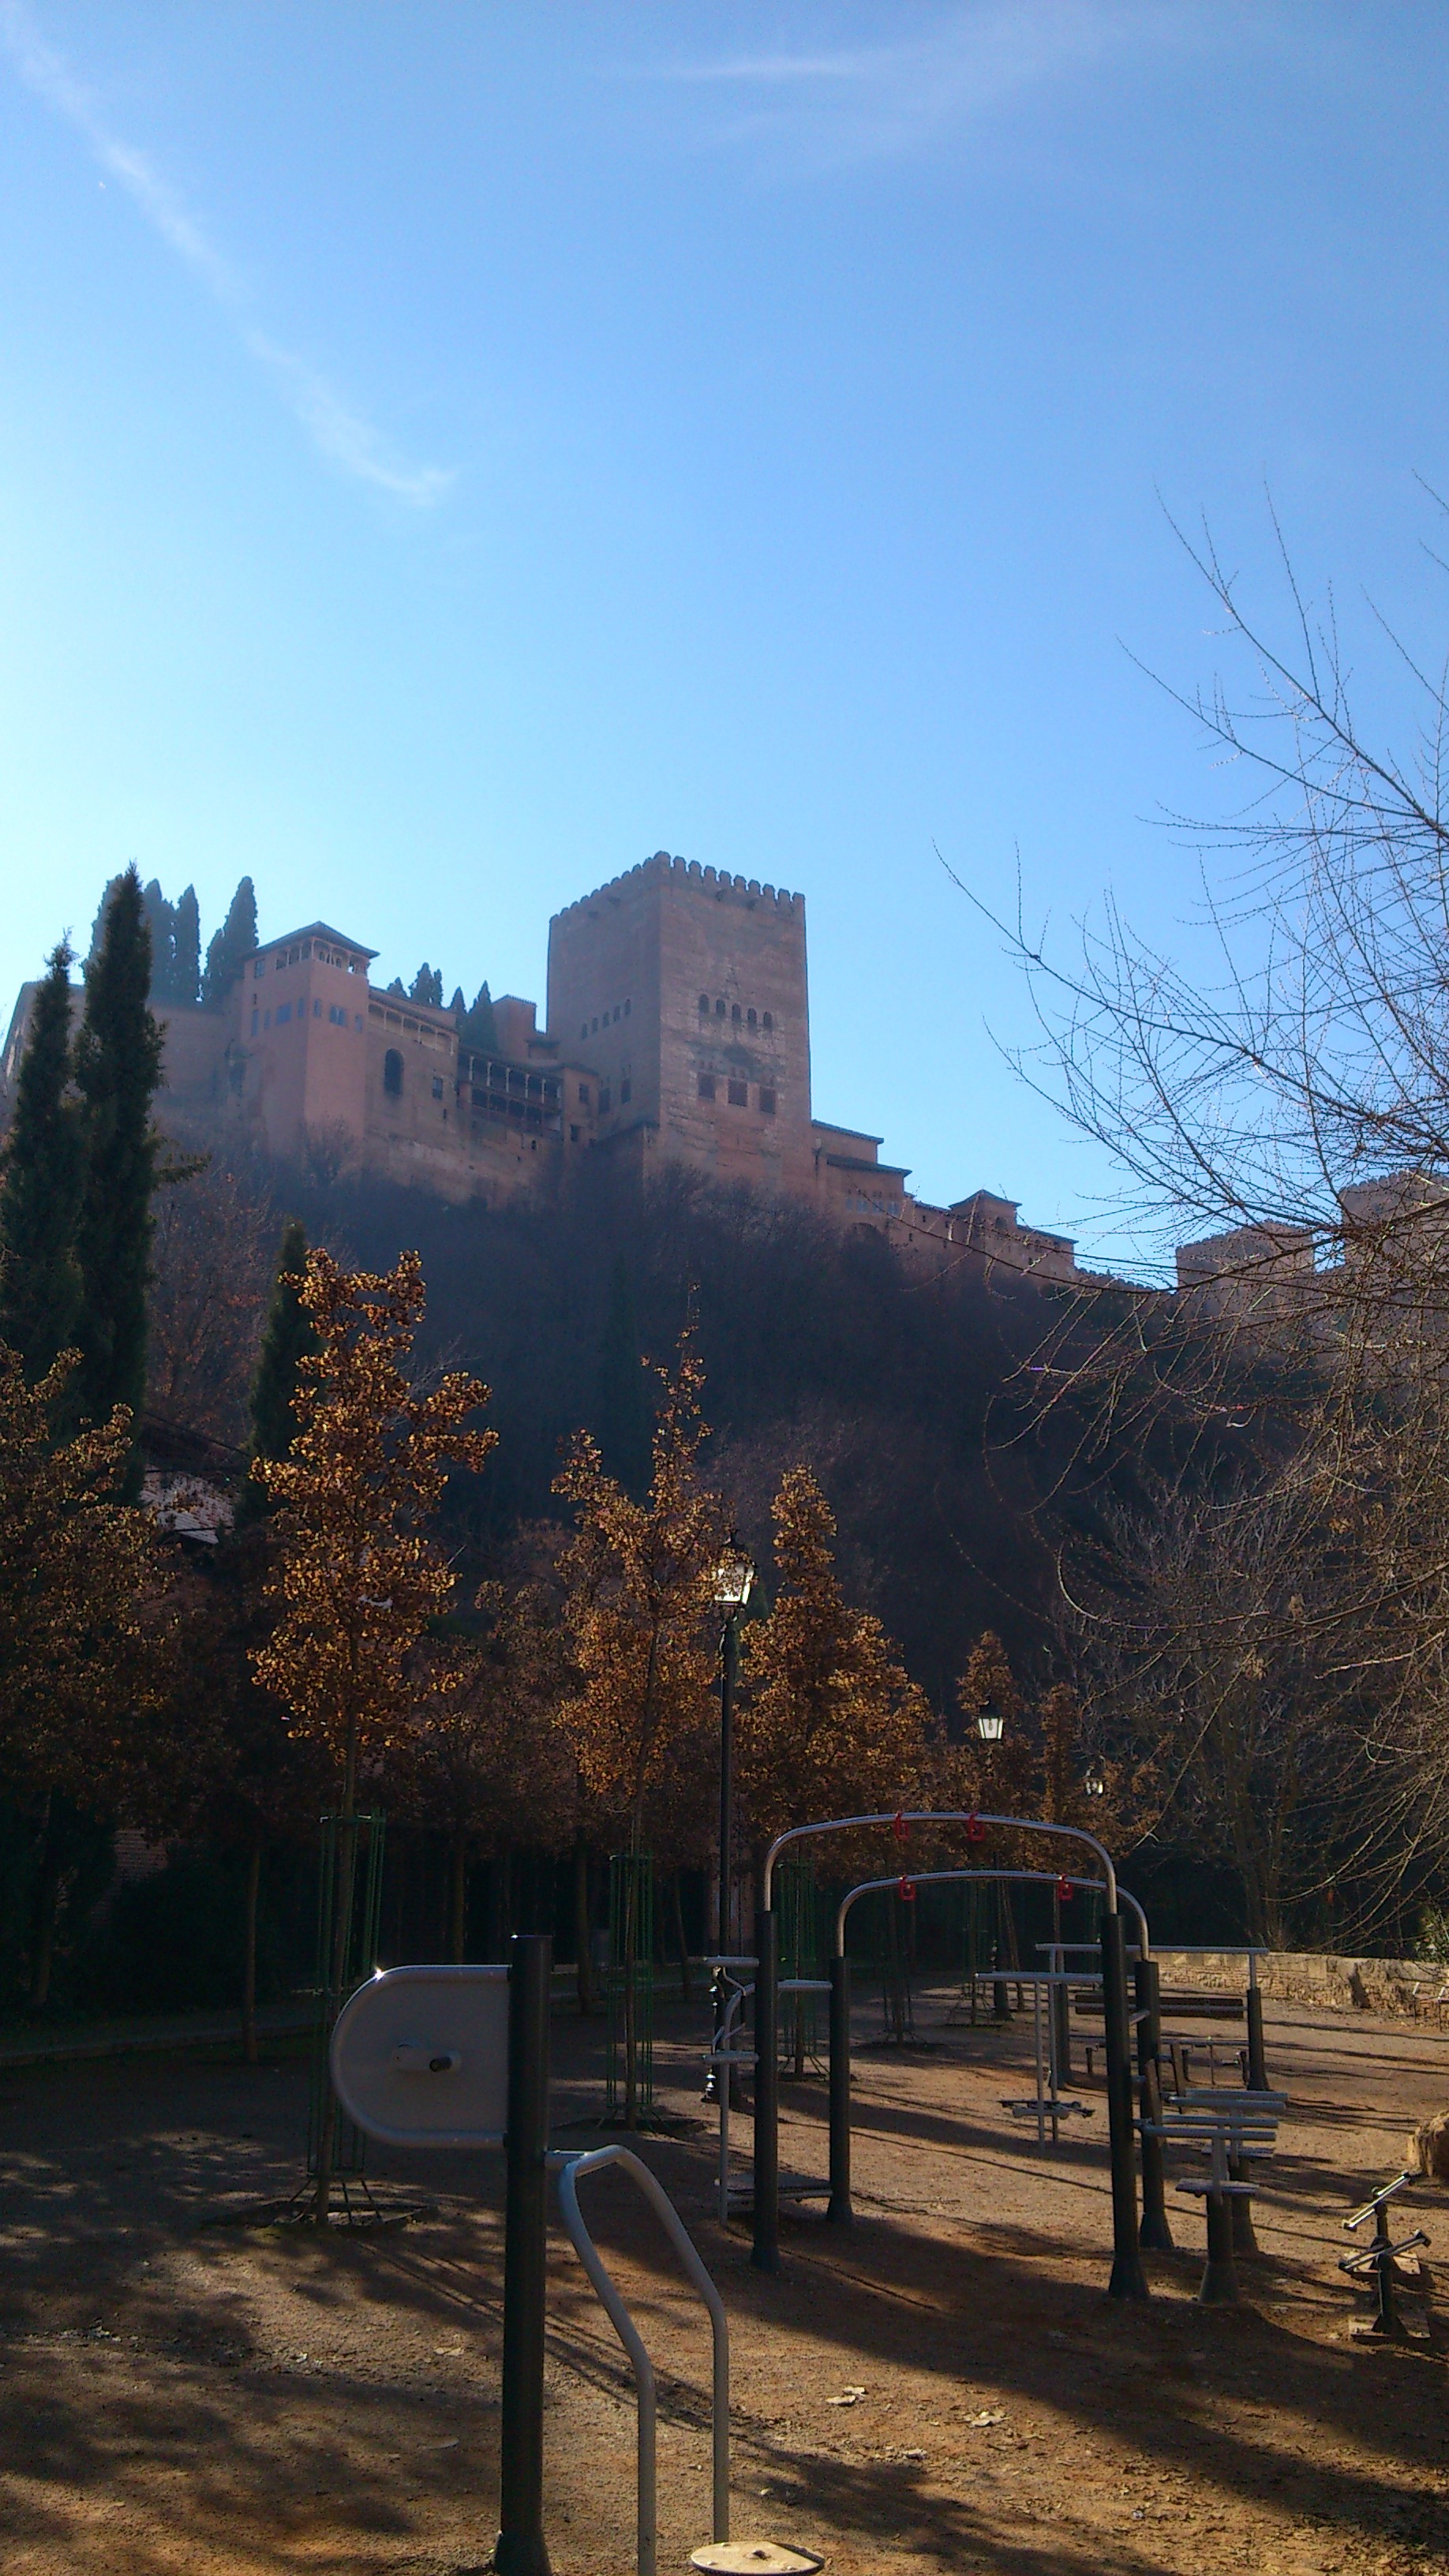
(335, 428)
(877, 101)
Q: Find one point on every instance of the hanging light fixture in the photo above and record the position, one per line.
(990, 1724)
(733, 1579)
(1095, 1780)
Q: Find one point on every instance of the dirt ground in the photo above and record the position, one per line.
(176, 2395)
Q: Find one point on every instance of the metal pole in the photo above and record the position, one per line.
(1155, 2233)
(1220, 2279)
(765, 2251)
(839, 2212)
(1128, 2279)
(1257, 2070)
(521, 2549)
(722, 2077)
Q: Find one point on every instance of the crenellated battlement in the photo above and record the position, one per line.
(689, 873)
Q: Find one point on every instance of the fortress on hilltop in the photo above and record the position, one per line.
(678, 1033)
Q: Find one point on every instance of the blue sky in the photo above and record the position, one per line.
(448, 452)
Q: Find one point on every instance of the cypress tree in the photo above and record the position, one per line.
(427, 986)
(117, 1068)
(458, 1006)
(186, 972)
(98, 926)
(40, 1286)
(622, 1410)
(287, 1339)
(161, 924)
(480, 1029)
(230, 947)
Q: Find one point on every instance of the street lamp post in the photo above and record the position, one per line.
(733, 1578)
(991, 1726)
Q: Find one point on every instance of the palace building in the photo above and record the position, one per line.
(677, 1032)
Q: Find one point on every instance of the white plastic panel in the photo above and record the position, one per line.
(420, 2057)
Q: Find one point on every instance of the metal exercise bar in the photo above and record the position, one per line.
(1378, 2256)
(571, 2170)
(724, 2055)
(986, 1878)
(1128, 2280)
(521, 2549)
(1155, 2232)
(1257, 2074)
(765, 2244)
(937, 1816)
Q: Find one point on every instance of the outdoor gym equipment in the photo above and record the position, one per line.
(1128, 2280)
(1378, 2257)
(458, 2057)
(1213, 2003)
(1232, 2128)
(1047, 2104)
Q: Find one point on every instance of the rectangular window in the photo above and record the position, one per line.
(584, 1094)
(358, 1017)
(767, 1101)
(316, 1010)
(573, 1135)
(606, 1098)
(255, 1017)
(437, 1087)
(706, 1086)
(739, 1095)
(284, 1012)
(626, 1094)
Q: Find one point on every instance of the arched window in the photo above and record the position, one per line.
(392, 1071)
(769, 1020)
(719, 1010)
(749, 1015)
(704, 1001)
(736, 1015)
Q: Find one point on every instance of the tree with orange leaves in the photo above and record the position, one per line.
(485, 1758)
(84, 1627)
(356, 1574)
(638, 1605)
(831, 1724)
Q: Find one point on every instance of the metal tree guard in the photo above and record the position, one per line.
(631, 1983)
(359, 1957)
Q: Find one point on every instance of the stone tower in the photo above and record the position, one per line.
(685, 989)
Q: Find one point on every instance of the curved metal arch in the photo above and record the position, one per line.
(985, 1878)
(932, 1816)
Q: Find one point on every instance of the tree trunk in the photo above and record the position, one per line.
(686, 1990)
(631, 2030)
(343, 1884)
(249, 1950)
(458, 1898)
(47, 1908)
(583, 1933)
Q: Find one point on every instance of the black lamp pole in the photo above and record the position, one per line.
(738, 1573)
(729, 1664)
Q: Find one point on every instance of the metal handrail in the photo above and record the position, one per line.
(991, 1877)
(571, 2169)
(937, 1816)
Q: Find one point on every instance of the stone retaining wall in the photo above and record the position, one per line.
(1320, 1978)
